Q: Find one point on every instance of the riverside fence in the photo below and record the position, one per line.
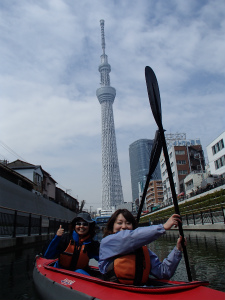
(14, 223)
(205, 217)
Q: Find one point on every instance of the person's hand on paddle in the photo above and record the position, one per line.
(179, 245)
(172, 221)
(60, 231)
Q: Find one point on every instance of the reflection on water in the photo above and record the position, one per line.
(206, 253)
(16, 270)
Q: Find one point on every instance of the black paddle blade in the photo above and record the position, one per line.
(155, 153)
(153, 95)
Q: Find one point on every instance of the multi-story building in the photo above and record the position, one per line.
(34, 173)
(216, 155)
(193, 182)
(154, 196)
(43, 184)
(15, 177)
(139, 154)
(185, 156)
(66, 200)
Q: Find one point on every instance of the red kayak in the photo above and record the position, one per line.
(53, 284)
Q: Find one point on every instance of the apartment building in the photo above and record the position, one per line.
(154, 196)
(185, 156)
(216, 155)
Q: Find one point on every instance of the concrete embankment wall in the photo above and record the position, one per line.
(8, 244)
(15, 197)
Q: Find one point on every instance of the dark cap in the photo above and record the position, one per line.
(85, 216)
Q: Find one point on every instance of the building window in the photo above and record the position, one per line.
(179, 152)
(182, 172)
(171, 164)
(217, 147)
(37, 178)
(181, 162)
(220, 162)
(189, 184)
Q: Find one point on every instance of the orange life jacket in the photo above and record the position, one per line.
(132, 269)
(74, 257)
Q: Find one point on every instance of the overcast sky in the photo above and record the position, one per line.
(49, 56)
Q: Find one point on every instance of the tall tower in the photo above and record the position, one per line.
(112, 194)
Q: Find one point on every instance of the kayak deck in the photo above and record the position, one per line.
(93, 287)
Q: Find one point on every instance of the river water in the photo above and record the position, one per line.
(206, 253)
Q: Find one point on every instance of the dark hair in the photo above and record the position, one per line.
(91, 231)
(127, 215)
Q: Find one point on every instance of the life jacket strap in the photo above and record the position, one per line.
(138, 266)
(131, 269)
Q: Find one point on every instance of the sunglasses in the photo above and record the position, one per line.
(85, 224)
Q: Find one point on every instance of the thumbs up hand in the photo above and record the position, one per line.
(60, 231)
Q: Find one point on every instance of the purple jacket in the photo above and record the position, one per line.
(126, 241)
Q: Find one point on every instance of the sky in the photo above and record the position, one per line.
(49, 56)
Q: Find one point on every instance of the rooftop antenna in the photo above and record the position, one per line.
(102, 22)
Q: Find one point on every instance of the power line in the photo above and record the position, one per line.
(11, 151)
(3, 157)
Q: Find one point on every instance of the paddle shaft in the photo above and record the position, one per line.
(143, 198)
(174, 196)
(155, 103)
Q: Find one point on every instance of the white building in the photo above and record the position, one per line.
(34, 173)
(192, 182)
(216, 155)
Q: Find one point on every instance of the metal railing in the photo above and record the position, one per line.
(205, 217)
(14, 223)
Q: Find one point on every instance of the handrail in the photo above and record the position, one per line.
(26, 212)
(194, 214)
(12, 222)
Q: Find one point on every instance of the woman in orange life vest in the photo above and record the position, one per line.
(74, 249)
(123, 256)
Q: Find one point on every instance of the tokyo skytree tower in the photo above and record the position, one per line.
(112, 194)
